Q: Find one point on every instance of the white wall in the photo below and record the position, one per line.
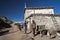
(44, 11)
(38, 11)
(28, 12)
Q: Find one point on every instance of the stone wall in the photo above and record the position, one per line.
(58, 22)
(46, 20)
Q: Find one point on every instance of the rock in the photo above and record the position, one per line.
(52, 33)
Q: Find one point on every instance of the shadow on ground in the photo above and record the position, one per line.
(4, 33)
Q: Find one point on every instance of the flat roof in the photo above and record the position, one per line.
(39, 7)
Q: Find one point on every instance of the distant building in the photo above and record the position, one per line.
(42, 16)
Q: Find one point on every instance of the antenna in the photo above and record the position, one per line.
(25, 5)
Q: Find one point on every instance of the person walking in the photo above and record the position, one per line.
(25, 24)
(33, 27)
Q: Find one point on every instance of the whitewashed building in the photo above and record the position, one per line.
(42, 16)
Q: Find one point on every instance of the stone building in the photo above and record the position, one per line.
(42, 16)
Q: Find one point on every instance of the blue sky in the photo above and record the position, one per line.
(14, 9)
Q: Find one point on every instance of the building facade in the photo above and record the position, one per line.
(42, 16)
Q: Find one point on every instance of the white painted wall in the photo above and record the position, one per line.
(44, 11)
(28, 12)
(38, 11)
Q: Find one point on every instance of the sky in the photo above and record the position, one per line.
(14, 9)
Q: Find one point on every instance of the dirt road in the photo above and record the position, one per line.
(19, 35)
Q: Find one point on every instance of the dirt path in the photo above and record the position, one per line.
(19, 35)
